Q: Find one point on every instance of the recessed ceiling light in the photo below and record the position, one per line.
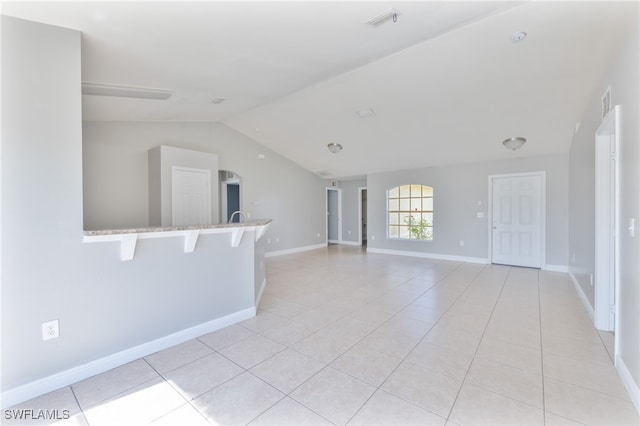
(367, 112)
(518, 36)
(99, 89)
(218, 101)
(386, 16)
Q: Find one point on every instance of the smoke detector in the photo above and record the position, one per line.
(518, 36)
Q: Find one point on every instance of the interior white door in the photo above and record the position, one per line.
(190, 196)
(333, 216)
(517, 220)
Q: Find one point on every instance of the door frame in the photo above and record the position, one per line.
(326, 222)
(224, 217)
(543, 212)
(360, 190)
(175, 169)
(607, 224)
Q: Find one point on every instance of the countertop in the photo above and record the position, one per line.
(249, 223)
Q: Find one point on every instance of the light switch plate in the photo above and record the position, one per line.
(480, 215)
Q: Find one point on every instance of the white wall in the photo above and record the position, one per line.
(116, 178)
(623, 78)
(457, 191)
(103, 305)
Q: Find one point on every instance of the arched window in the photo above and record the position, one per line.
(410, 212)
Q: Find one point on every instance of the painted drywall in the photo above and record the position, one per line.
(103, 305)
(116, 178)
(460, 192)
(350, 218)
(625, 91)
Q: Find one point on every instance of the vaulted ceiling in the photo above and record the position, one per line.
(445, 81)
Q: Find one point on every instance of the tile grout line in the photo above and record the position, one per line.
(455, 400)
(544, 407)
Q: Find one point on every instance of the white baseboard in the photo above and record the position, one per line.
(294, 250)
(556, 268)
(582, 296)
(261, 292)
(59, 380)
(632, 387)
(481, 260)
(350, 243)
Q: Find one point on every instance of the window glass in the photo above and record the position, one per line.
(410, 212)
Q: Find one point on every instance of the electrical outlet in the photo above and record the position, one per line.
(461, 243)
(591, 279)
(373, 237)
(349, 232)
(573, 258)
(268, 240)
(50, 330)
(318, 235)
(277, 240)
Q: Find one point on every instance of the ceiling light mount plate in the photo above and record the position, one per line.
(334, 147)
(367, 112)
(514, 143)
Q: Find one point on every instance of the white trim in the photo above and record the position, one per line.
(294, 250)
(480, 260)
(339, 191)
(261, 292)
(543, 213)
(350, 243)
(607, 199)
(75, 374)
(627, 379)
(556, 268)
(581, 295)
(360, 191)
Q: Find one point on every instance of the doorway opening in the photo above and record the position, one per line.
(362, 214)
(334, 215)
(517, 219)
(230, 196)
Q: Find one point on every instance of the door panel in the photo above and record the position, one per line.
(332, 216)
(517, 220)
(191, 197)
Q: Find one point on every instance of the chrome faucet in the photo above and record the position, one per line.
(235, 213)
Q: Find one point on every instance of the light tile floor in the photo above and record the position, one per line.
(345, 337)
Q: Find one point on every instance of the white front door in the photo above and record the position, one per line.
(516, 231)
(190, 196)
